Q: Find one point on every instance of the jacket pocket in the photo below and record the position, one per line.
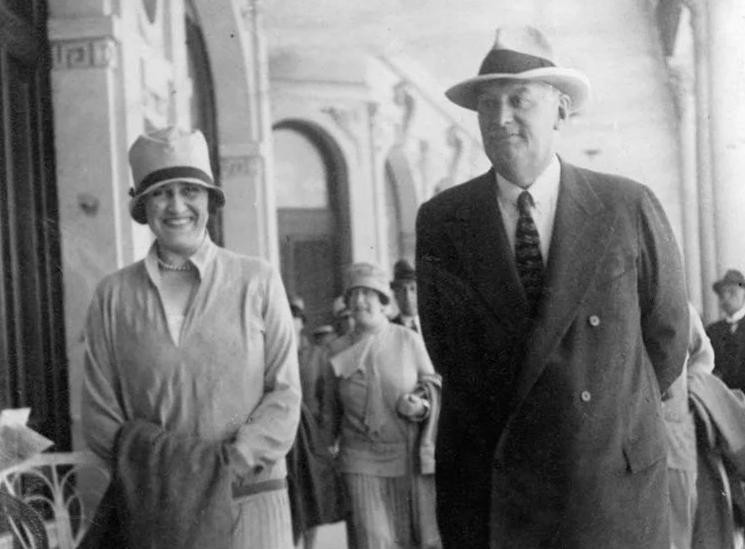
(641, 454)
(618, 264)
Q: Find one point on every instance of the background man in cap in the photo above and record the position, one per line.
(727, 336)
(553, 304)
(404, 291)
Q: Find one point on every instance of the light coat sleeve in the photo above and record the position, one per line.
(700, 351)
(269, 432)
(102, 412)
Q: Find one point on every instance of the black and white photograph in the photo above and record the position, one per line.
(398, 274)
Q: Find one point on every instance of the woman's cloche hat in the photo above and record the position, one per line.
(367, 275)
(166, 155)
(522, 53)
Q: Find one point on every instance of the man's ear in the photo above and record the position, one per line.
(563, 114)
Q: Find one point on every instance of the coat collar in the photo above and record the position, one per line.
(477, 231)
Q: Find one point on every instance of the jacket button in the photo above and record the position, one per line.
(594, 320)
(585, 396)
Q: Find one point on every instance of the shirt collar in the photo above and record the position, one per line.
(200, 259)
(737, 317)
(544, 189)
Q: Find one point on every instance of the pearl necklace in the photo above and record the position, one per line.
(168, 267)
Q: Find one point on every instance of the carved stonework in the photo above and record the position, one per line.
(84, 54)
(249, 10)
(152, 8)
(238, 166)
(697, 7)
(455, 142)
(346, 119)
(403, 98)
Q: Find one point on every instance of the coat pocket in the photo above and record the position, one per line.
(616, 265)
(641, 454)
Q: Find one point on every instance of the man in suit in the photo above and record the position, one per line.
(404, 290)
(552, 302)
(728, 335)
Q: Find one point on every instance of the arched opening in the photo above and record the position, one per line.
(312, 218)
(202, 103)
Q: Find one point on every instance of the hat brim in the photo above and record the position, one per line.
(569, 81)
(719, 284)
(137, 202)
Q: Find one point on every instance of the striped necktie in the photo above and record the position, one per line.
(528, 252)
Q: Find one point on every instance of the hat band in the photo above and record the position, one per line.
(511, 61)
(174, 172)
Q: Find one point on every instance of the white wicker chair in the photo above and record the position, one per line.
(63, 488)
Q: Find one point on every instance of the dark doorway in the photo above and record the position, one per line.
(33, 364)
(312, 217)
(203, 111)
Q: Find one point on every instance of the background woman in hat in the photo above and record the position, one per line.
(381, 406)
(191, 378)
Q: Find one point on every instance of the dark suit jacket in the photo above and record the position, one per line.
(729, 363)
(550, 431)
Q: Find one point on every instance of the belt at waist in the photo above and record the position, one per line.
(243, 490)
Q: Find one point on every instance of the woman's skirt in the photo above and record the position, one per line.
(262, 521)
(392, 512)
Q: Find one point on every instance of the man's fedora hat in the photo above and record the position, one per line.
(732, 277)
(167, 155)
(522, 53)
(402, 272)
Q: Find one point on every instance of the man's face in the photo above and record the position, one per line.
(405, 293)
(177, 214)
(519, 122)
(731, 298)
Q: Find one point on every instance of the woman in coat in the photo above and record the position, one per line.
(191, 379)
(380, 405)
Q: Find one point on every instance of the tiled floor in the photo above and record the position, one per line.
(332, 536)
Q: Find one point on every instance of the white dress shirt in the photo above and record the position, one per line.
(545, 193)
(735, 319)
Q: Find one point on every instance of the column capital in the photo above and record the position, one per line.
(697, 7)
(250, 10)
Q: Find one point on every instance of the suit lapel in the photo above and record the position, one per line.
(478, 233)
(580, 236)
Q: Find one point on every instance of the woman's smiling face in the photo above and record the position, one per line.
(365, 306)
(177, 213)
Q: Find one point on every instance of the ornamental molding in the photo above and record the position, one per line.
(87, 53)
(236, 166)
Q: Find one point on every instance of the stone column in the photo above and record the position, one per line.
(726, 50)
(92, 180)
(707, 231)
(682, 82)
